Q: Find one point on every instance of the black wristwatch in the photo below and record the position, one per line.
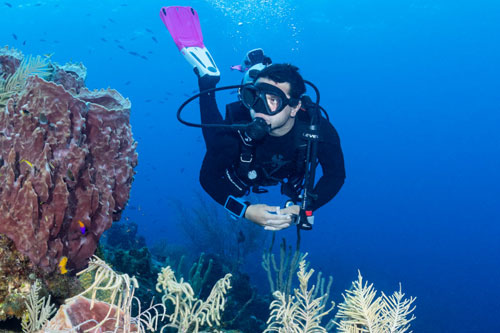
(236, 207)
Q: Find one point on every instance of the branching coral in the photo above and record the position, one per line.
(283, 274)
(39, 310)
(361, 311)
(190, 313)
(15, 82)
(301, 313)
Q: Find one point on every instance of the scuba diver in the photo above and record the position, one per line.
(274, 134)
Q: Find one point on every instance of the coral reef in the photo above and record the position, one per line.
(14, 280)
(126, 252)
(301, 312)
(123, 235)
(66, 157)
(17, 275)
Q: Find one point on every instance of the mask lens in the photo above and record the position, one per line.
(248, 96)
(274, 103)
(263, 98)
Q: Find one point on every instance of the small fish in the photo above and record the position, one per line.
(8, 4)
(148, 101)
(48, 55)
(43, 40)
(127, 83)
(121, 47)
(133, 53)
(154, 39)
(149, 30)
(143, 57)
(24, 43)
(27, 162)
(15, 36)
(111, 20)
(82, 227)
(104, 39)
(25, 112)
(62, 265)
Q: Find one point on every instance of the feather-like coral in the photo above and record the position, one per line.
(301, 313)
(39, 310)
(190, 313)
(362, 311)
(14, 83)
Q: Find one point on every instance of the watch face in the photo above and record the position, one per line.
(234, 206)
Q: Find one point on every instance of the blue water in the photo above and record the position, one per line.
(413, 88)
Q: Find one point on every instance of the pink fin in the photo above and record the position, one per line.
(184, 26)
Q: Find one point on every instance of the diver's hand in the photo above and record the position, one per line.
(293, 210)
(207, 81)
(269, 217)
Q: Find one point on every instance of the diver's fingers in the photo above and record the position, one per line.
(276, 227)
(274, 213)
(279, 224)
(272, 228)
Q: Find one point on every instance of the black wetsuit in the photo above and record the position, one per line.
(274, 159)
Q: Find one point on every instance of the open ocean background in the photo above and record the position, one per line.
(412, 86)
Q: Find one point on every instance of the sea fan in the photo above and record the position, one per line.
(361, 311)
(15, 82)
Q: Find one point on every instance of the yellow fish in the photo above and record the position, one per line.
(27, 162)
(62, 265)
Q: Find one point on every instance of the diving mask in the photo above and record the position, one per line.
(265, 98)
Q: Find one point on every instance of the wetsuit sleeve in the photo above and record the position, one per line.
(209, 112)
(331, 159)
(216, 176)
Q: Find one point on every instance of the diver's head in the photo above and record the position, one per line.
(285, 73)
(275, 96)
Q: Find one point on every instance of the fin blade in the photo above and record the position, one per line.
(183, 24)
